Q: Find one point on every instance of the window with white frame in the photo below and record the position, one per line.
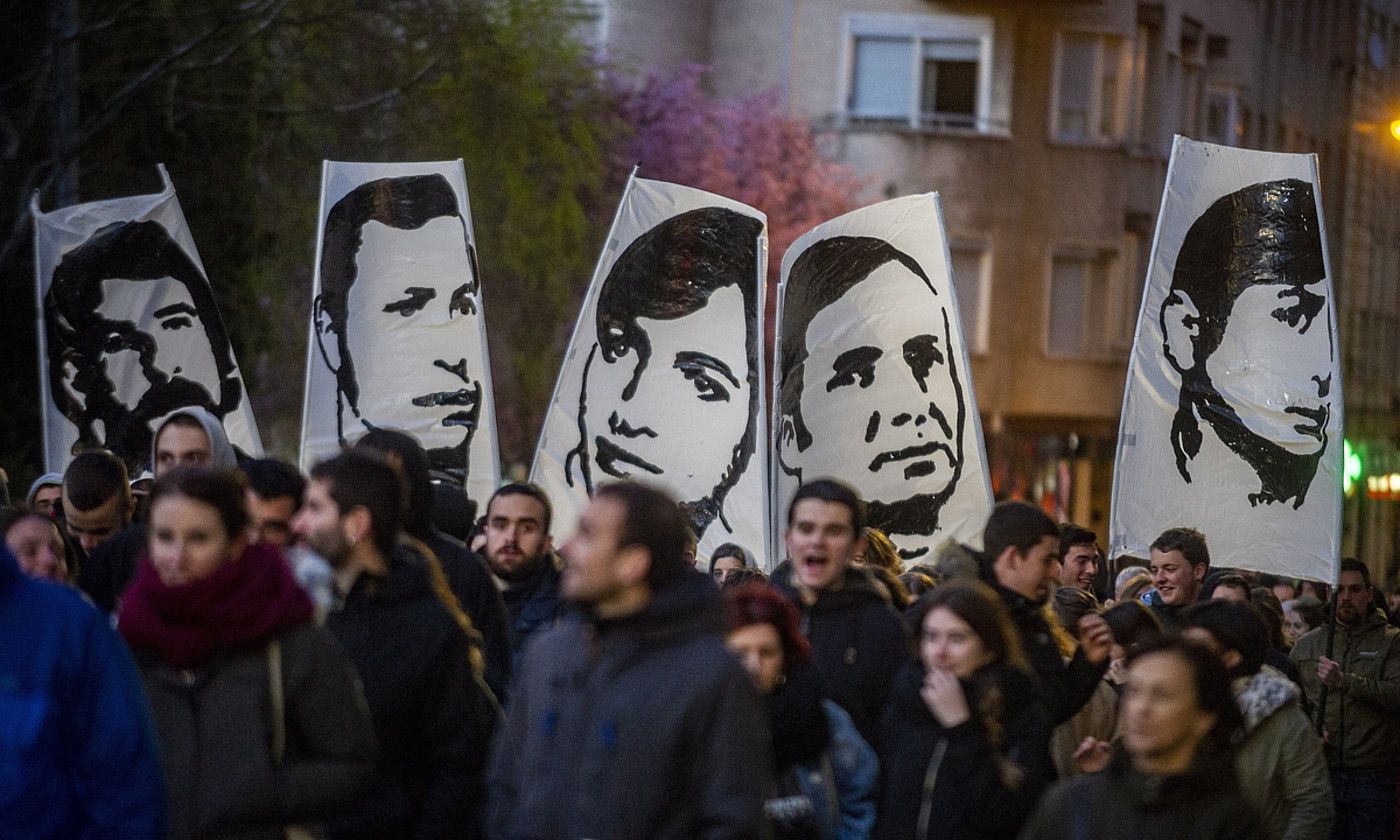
(1080, 280)
(1091, 87)
(971, 266)
(1224, 122)
(931, 71)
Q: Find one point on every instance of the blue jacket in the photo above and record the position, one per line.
(842, 783)
(77, 750)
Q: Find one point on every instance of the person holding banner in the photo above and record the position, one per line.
(1361, 718)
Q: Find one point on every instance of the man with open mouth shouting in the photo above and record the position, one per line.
(858, 641)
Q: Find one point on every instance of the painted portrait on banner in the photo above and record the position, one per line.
(872, 381)
(131, 329)
(663, 378)
(398, 338)
(1232, 412)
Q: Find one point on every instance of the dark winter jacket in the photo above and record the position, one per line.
(825, 774)
(216, 732)
(105, 573)
(1363, 717)
(858, 644)
(77, 750)
(955, 783)
(476, 593)
(531, 604)
(1121, 803)
(1065, 686)
(1279, 760)
(432, 716)
(205, 649)
(639, 728)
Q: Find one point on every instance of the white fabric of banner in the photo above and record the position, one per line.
(128, 329)
(1232, 412)
(663, 378)
(398, 335)
(872, 383)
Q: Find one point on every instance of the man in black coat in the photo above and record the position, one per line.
(858, 641)
(432, 716)
(629, 720)
(1020, 553)
(464, 569)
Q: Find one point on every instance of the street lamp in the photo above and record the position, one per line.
(1395, 129)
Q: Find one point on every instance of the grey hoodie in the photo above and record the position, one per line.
(223, 454)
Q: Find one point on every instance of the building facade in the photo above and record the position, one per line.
(1046, 126)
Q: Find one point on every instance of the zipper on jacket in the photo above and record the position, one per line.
(930, 779)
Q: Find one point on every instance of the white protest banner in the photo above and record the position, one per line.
(872, 383)
(398, 338)
(129, 329)
(663, 378)
(1232, 414)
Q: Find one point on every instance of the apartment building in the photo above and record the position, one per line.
(1046, 125)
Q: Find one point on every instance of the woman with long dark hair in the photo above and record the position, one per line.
(965, 741)
(258, 713)
(823, 773)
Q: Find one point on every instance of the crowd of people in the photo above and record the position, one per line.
(228, 648)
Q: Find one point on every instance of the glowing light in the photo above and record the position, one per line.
(1351, 462)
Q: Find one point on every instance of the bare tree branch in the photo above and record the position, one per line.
(366, 103)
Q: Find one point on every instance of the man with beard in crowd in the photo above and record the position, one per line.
(432, 717)
(1021, 546)
(520, 553)
(1361, 718)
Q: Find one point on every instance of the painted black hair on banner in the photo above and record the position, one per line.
(669, 272)
(405, 203)
(825, 272)
(78, 334)
(1264, 234)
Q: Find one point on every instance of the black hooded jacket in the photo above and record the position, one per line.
(956, 783)
(470, 581)
(1121, 803)
(1065, 686)
(639, 728)
(432, 716)
(858, 644)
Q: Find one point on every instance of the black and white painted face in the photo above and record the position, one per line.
(1247, 324)
(676, 408)
(1273, 365)
(881, 390)
(176, 356)
(412, 325)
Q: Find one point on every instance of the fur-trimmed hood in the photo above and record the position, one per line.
(1262, 694)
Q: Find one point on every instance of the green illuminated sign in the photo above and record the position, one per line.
(1351, 467)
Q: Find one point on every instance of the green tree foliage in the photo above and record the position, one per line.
(243, 100)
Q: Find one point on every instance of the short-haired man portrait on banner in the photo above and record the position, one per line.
(396, 320)
(671, 386)
(872, 389)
